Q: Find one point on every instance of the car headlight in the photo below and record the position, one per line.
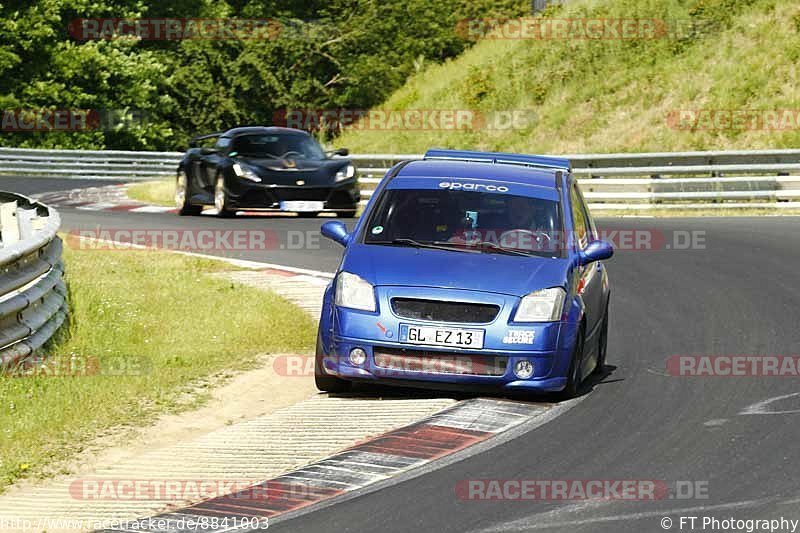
(245, 173)
(354, 292)
(346, 173)
(541, 306)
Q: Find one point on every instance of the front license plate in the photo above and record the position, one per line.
(454, 337)
(302, 206)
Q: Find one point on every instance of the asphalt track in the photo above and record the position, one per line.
(737, 294)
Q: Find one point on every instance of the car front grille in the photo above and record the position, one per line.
(402, 361)
(440, 311)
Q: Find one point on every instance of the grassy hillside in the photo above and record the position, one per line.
(617, 95)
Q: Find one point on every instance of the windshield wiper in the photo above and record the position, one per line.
(496, 248)
(435, 245)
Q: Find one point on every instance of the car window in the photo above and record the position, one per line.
(467, 218)
(579, 220)
(590, 225)
(278, 145)
(222, 143)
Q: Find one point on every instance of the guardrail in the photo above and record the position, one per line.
(727, 179)
(32, 291)
(668, 180)
(88, 164)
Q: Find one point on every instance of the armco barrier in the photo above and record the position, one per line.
(686, 180)
(32, 292)
(729, 179)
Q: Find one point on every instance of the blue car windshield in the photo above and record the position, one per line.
(485, 222)
(277, 146)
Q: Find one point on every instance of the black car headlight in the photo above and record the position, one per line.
(346, 173)
(245, 173)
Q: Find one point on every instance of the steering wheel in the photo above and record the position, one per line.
(291, 152)
(520, 234)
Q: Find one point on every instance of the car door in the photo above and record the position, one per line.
(590, 284)
(212, 159)
(195, 171)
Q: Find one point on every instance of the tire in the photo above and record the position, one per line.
(602, 346)
(346, 214)
(182, 196)
(573, 375)
(307, 214)
(323, 381)
(221, 199)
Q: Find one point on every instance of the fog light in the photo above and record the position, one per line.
(358, 356)
(523, 369)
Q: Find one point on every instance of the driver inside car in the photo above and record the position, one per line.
(529, 225)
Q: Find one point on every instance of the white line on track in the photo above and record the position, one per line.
(760, 408)
(535, 521)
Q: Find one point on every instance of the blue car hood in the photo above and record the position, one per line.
(420, 267)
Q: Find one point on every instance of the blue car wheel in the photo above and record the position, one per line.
(574, 375)
(602, 347)
(323, 381)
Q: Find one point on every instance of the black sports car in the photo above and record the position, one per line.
(265, 168)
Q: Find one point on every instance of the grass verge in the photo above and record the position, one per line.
(151, 327)
(159, 192)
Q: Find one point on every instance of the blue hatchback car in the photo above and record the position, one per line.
(468, 270)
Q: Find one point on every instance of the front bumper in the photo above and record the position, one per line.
(490, 367)
(337, 363)
(244, 194)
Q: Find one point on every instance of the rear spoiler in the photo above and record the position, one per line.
(193, 142)
(535, 161)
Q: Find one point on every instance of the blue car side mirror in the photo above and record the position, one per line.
(596, 251)
(336, 231)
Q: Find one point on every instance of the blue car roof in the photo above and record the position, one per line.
(539, 171)
(437, 174)
(540, 161)
(437, 170)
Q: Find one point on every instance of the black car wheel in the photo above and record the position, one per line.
(574, 373)
(221, 198)
(182, 196)
(346, 214)
(307, 214)
(324, 382)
